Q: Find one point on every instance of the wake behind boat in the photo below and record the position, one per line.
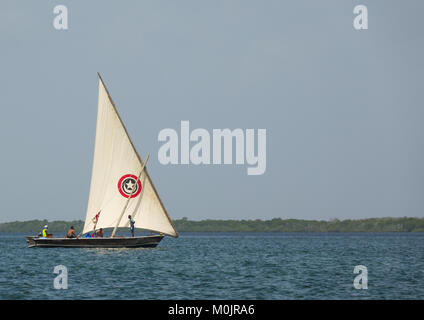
(120, 185)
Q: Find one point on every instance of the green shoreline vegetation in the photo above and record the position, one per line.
(404, 224)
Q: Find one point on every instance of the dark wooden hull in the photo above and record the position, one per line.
(136, 242)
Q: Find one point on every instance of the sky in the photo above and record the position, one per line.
(342, 108)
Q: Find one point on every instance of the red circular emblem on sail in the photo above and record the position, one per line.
(126, 185)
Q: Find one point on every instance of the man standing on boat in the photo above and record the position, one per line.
(132, 222)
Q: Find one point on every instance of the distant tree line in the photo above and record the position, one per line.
(275, 225)
(35, 226)
(296, 225)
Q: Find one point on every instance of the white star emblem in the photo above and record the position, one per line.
(130, 185)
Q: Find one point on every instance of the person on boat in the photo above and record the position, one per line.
(99, 233)
(45, 231)
(132, 222)
(71, 233)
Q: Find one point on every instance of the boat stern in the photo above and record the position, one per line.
(31, 242)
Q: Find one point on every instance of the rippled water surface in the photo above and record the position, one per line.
(222, 266)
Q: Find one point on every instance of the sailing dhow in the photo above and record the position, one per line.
(120, 186)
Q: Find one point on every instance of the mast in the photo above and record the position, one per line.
(129, 197)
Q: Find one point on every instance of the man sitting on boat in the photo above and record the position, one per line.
(45, 233)
(99, 233)
(71, 233)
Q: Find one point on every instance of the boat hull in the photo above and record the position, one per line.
(136, 242)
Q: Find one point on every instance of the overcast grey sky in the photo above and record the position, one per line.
(343, 108)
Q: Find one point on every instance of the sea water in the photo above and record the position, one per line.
(222, 266)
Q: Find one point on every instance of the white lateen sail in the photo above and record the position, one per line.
(116, 166)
